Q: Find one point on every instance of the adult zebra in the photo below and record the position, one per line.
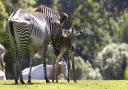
(55, 36)
(58, 16)
(29, 32)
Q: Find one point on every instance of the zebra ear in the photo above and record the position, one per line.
(74, 31)
(63, 17)
(21, 21)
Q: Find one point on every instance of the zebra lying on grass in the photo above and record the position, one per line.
(37, 72)
(2, 75)
(2, 64)
(2, 53)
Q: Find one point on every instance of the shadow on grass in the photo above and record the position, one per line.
(21, 84)
(35, 83)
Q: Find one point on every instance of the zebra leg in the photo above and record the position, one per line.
(15, 72)
(68, 69)
(30, 68)
(53, 76)
(14, 62)
(57, 67)
(44, 50)
(20, 73)
(63, 50)
(73, 67)
(20, 57)
(21, 78)
(56, 72)
(15, 67)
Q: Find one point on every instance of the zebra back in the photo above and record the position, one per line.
(52, 16)
(52, 13)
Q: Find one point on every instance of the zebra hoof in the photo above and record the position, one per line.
(29, 82)
(47, 81)
(22, 82)
(75, 81)
(68, 81)
(56, 81)
(53, 81)
(16, 82)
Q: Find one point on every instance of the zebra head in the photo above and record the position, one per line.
(71, 32)
(70, 35)
(63, 18)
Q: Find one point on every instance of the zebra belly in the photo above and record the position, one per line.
(36, 41)
(40, 35)
(36, 45)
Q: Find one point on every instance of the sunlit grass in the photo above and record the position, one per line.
(82, 84)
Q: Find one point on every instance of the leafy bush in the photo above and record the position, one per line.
(112, 61)
(84, 70)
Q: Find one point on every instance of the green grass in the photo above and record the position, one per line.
(82, 84)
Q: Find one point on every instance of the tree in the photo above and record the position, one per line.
(112, 61)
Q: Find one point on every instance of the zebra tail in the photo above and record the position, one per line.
(11, 31)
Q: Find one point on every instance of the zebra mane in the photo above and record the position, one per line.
(52, 13)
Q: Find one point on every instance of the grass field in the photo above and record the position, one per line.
(82, 84)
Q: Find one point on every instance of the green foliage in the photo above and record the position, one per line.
(112, 61)
(3, 16)
(56, 4)
(86, 71)
(3, 13)
(100, 22)
(26, 4)
(123, 23)
(126, 73)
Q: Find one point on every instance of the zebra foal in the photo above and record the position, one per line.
(67, 45)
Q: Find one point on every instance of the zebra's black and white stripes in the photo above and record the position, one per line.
(56, 34)
(32, 30)
(58, 18)
(48, 11)
(67, 45)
